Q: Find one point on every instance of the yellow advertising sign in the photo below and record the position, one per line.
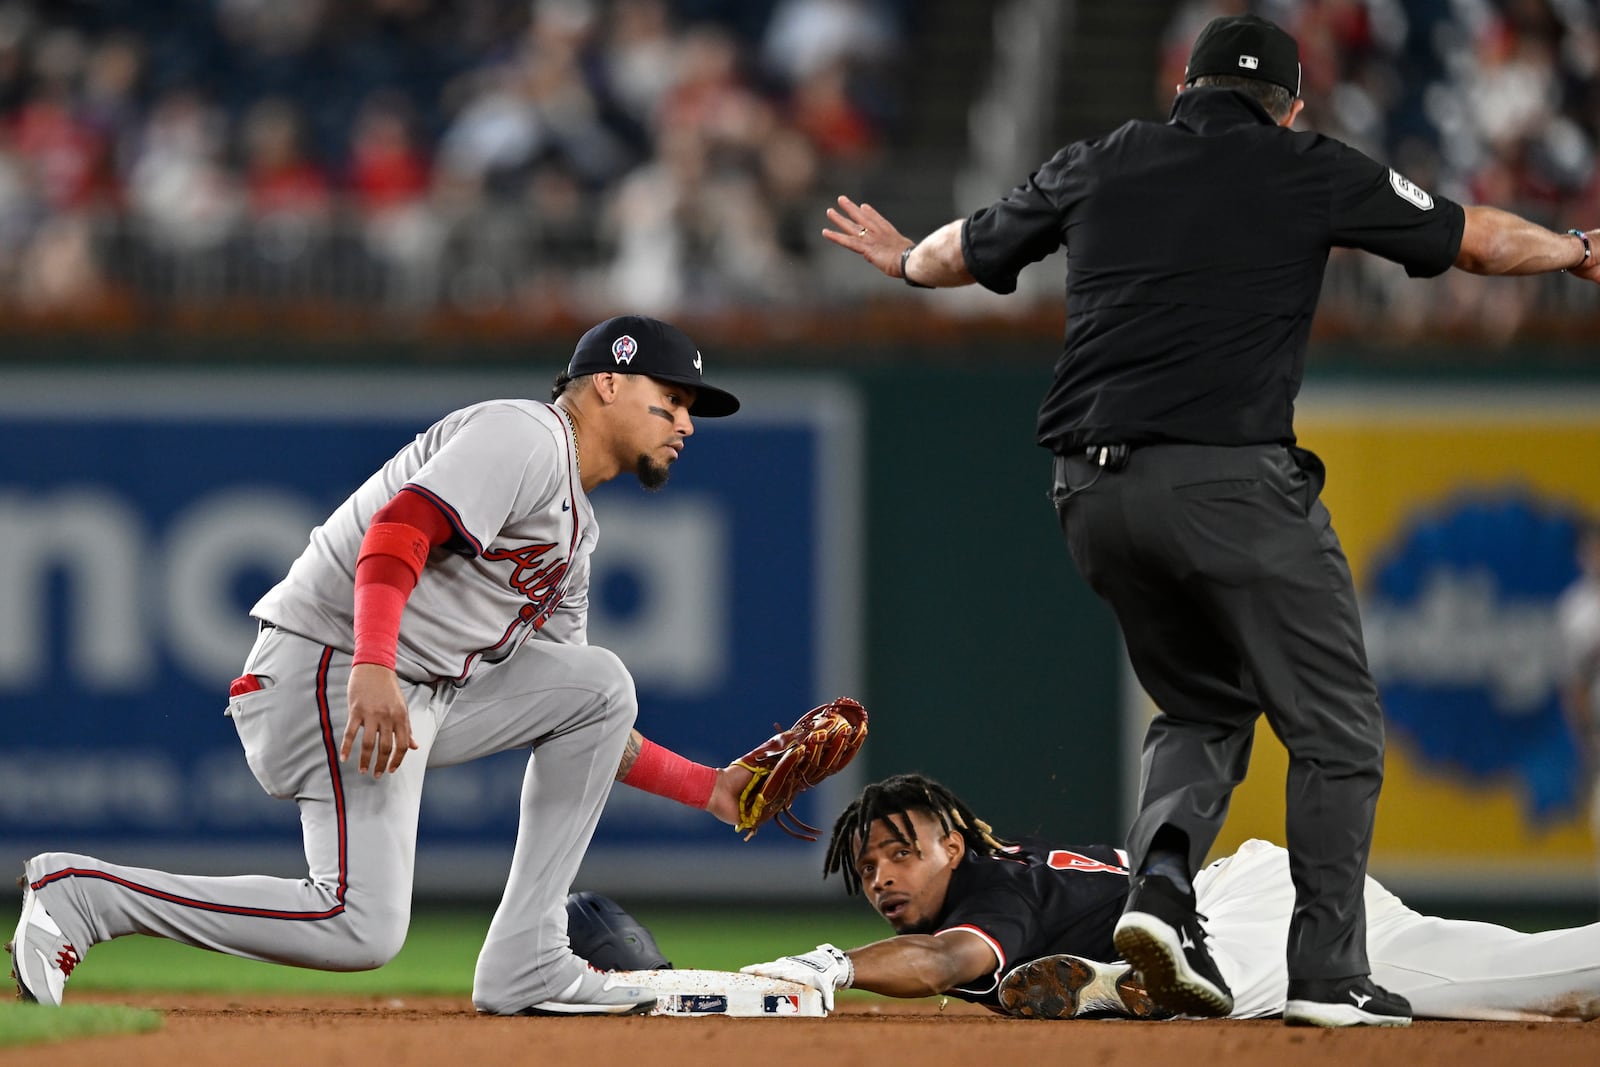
(1432, 490)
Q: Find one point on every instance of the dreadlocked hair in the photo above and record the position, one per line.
(893, 800)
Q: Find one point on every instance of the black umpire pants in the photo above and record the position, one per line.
(1235, 599)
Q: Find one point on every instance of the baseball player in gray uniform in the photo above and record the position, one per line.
(437, 616)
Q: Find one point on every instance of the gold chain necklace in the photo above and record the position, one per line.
(572, 431)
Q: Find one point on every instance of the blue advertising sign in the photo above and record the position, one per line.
(1461, 630)
(142, 513)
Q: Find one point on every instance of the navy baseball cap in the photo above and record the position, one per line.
(1245, 46)
(635, 344)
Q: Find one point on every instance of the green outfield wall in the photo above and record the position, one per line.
(990, 664)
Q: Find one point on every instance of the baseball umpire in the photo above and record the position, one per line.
(1026, 928)
(437, 616)
(1196, 250)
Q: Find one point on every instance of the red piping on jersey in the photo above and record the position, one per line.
(555, 598)
(232, 909)
(999, 954)
(467, 666)
(566, 444)
(450, 513)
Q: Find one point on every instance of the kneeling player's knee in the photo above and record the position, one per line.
(386, 943)
(371, 941)
(614, 685)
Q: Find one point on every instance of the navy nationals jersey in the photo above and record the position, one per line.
(1033, 901)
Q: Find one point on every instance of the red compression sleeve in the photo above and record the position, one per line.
(666, 774)
(392, 556)
(383, 584)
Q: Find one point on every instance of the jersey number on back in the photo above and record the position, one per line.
(1062, 860)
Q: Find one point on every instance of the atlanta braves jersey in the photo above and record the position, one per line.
(506, 474)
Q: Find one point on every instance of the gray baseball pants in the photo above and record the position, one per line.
(571, 705)
(1235, 600)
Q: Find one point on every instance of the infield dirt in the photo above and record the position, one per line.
(286, 1031)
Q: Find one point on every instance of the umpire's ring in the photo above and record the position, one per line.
(863, 232)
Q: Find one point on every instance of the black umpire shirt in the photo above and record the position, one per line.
(1196, 251)
(1034, 901)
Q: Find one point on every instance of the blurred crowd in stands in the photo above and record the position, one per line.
(1485, 101)
(421, 153)
(672, 156)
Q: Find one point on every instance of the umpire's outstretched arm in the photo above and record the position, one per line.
(1498, 242)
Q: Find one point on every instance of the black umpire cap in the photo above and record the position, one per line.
(1245, 46)
(636, 344)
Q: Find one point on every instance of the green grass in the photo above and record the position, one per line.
(440, 951)
(25, 1024)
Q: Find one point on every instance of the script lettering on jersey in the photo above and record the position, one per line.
(1062, 860)
(535, 577)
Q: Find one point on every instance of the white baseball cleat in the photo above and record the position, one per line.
(596, 993)
(42, 959)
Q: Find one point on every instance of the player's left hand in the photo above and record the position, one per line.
(824, 969)
(862, 230)
(731, 783)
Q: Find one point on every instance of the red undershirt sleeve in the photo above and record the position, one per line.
(392, 556)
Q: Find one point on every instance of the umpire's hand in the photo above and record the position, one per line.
(378, 713)
(868, 234)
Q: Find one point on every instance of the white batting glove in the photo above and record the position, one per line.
(824, 969)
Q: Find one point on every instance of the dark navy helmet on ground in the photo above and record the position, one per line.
(608, 937)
